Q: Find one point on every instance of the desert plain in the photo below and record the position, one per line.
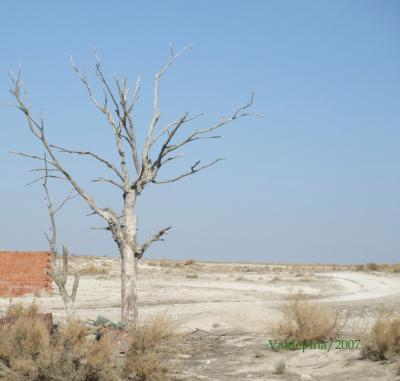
(227, 313)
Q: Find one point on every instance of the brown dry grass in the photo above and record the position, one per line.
(151, 348)
(275, 279)
(165, 263)
(28, 351)
(307, 321)
(189, 262)
(381, 267)
(383, 340)
(92, 269)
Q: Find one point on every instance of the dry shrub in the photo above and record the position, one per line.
(189, 262)
(18, 310)
(307, 321)
(280, 368)
(372, 266)
(151, 348)
(395, 268)
(384, 338)
(165, 263)
(192, 275)
(28, 351)
(95, 270)
(275, 279)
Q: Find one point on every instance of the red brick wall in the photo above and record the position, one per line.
(24, 272)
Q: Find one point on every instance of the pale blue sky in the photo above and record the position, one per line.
(316, 180)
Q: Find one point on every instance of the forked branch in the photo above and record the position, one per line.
(59, 276)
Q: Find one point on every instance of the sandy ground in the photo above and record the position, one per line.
(226, 311)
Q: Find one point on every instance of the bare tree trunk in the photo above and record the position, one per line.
(129, 298)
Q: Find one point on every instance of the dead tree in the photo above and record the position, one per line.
(161, 146)
(59, 276)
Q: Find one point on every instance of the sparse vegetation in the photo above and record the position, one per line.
(151, 348)
(307, 321)
(29, 352)
(92, 269)
(275, 279)
(372, 267)
(192, 275)
(165, 263)
(189, 262)
(383, 340)
(384, 267)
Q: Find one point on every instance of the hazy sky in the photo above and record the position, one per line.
(317, 179)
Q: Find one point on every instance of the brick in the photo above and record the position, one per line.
(24, 272)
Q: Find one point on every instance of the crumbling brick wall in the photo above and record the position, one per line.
(24, 272)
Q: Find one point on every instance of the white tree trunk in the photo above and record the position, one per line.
(70, 308)
(129, 298)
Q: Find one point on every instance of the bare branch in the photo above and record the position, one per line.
(95, 156)
(172, 158)
(156, 113)
(193, 169)
(129, 125)
(75, 286)
(30, 156)
(65, 264)
(69, 197)
(42, 178)
(116, 128)
(38, 130)
(154, 238)
(199, 134)
(166, 129)
(100, 228)
(101, 179)
(59, 277)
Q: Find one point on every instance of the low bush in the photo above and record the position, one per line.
(151, 348)
(383, 340)
(28, 352)
(372, 266)
(307, 321)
